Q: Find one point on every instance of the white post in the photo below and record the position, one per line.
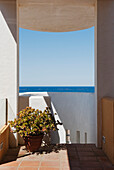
(68, 141)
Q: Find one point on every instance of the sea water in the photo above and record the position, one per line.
(83, 89)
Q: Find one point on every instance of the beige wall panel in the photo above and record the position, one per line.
(108, 127)
(4, 141)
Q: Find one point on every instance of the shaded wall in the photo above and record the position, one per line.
(105, 54)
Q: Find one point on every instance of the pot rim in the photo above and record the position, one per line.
(35, 136)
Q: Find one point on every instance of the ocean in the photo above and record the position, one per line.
(83, 89)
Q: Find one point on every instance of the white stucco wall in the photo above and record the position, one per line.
(39, 102)
(8, 58)
(77, 113)
(2, 112)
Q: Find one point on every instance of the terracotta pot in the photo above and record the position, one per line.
(33, 143)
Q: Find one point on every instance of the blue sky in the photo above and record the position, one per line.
(57, 59)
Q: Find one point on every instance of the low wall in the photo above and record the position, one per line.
(4, 140)
(77, 111)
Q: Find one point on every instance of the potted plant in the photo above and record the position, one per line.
(32, 124)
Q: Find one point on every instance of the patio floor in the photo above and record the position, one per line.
(57, 157)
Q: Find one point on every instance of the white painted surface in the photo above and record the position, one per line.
(60, 135)
(2, 112)
(38, 102)
(8, 58)
(77, 113)
(34, 94)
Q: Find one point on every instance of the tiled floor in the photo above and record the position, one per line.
(59, 157)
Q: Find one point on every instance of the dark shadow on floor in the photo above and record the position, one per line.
(51, 148)
(87, 157)
(12, 155)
